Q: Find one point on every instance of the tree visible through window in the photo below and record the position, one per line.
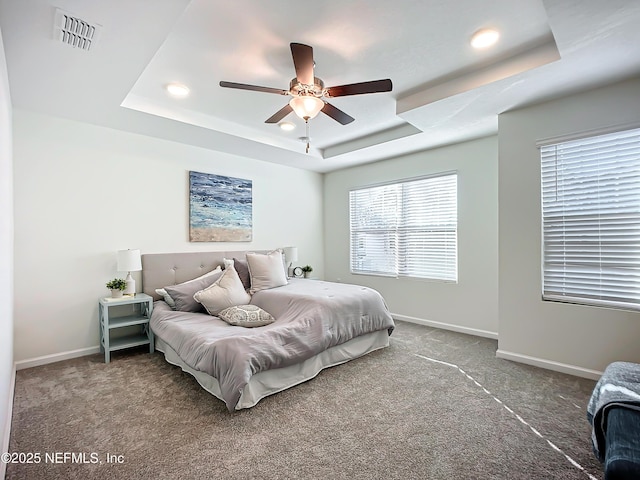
(591, 220)
(406, 229)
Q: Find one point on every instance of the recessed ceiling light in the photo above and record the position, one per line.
(288, 126)
(484, 38)
(177, 89)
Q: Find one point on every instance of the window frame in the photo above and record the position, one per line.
(582, 141)
(401, 229)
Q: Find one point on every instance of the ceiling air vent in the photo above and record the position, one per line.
(75, 31)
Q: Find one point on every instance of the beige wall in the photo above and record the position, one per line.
(573, 338)
(83, 192)
(469, 306)
(6, 259)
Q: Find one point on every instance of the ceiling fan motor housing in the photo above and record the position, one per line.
(299, 89)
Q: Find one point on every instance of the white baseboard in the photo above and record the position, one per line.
(56, 357)
(6, 435)
(550, 365)
(447, 326)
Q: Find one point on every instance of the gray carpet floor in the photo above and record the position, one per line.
(434, 405)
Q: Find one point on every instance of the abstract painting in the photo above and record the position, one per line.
(220, 208)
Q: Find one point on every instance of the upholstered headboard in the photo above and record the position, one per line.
(162, 269)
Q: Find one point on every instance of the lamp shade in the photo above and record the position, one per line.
(291, 254)
(129, 261)
(306, 106)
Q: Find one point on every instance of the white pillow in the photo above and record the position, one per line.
(170, 301)
(225, 292)
(266, 270)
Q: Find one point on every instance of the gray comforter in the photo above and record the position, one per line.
(618, 386)
(311, 316)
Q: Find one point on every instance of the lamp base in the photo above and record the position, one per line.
(130, 291)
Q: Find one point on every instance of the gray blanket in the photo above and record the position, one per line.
(311, 316)
(618, 386)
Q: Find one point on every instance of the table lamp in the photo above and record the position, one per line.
(290, 256)
(129, 261)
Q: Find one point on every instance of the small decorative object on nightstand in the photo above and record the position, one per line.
(306, 270)
(144, 305)
(117, 286)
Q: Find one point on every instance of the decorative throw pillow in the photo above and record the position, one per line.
(167, 298)
(182, 294)
(266, 270)
(242, 268)
(227, 291)
(246, 316)
(243, 272)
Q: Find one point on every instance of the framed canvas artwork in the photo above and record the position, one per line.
(220, 208)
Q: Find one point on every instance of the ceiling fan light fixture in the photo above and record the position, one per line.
(484, 38)
(306, 106)
(177, 89)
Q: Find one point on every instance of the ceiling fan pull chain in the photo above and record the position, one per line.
(306, 121)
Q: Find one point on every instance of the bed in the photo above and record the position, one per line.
(317, 325)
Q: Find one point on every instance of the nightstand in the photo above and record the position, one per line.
(143, 306)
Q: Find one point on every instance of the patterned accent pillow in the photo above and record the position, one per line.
(246, 316)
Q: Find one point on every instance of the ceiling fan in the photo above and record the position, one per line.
(307, 91)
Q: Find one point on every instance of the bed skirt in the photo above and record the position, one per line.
(266, 383)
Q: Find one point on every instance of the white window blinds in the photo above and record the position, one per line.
(591, 220)
(406, 229)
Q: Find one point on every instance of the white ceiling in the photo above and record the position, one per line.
(443, 90)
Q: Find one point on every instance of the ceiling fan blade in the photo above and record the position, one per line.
(244, 86)
(280, 114)
(337, 114)
(373, 86)
(303, 62)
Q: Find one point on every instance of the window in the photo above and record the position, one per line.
(407, 229)
(591, 220)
